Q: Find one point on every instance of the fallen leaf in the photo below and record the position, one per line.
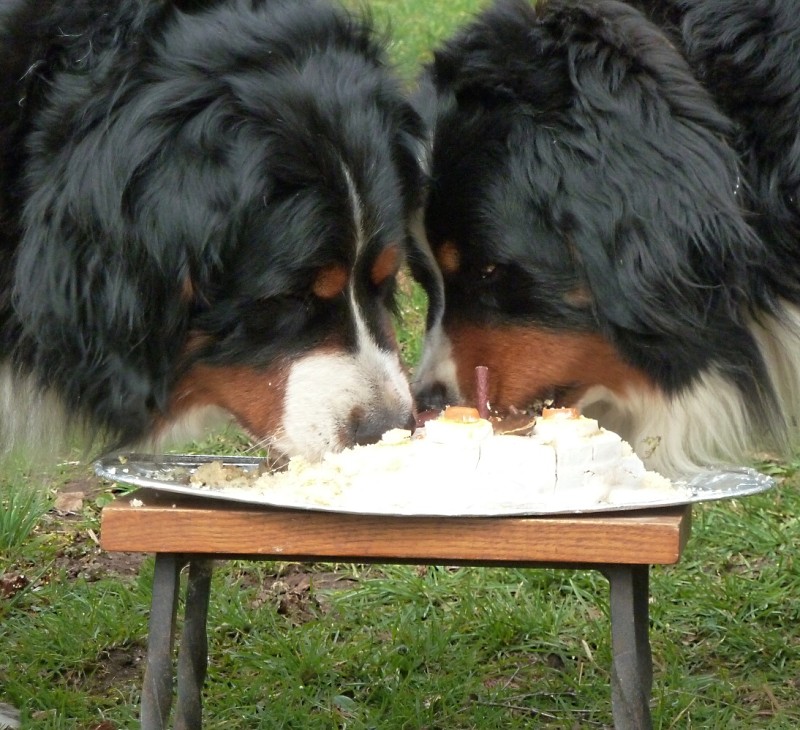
(10, 585)
(69, 502)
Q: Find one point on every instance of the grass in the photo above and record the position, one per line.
(416, 27)
(401, 647)
(346, 646)
(21, 507)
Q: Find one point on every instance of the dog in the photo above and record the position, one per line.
(613, 208)
(203, 205)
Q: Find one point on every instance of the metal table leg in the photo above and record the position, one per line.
(632, 666)
(193, 653)
(157, 689)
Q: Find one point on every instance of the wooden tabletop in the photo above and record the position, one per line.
(170, 523)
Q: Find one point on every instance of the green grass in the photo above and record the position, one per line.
(412, 647)
(416, 26)
(21, 507)
(410, 320)
(408, 647)
(395, 648)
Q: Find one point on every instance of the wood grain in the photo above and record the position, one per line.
(174, 524)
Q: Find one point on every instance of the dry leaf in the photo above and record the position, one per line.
(69, 501)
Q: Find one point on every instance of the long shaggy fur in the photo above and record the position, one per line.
(614, 209)
(195, 196)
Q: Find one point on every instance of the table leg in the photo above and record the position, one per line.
(157, 689)
(632, 665)
(193, 653)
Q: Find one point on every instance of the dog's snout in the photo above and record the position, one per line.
(368, 427)
(433, 397)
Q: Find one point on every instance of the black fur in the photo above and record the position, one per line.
(651, 163)
(171, 174)
(745, 52)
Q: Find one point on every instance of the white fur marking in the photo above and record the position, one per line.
(357, 207)
(703, 427)
(323, 391)
(437, 365)
(32, 423)
(709, 425)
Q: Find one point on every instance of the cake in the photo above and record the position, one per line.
(458, 426)
(455, 464)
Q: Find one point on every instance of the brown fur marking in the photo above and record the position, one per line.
(386, 265)
(253, 397)
(525, 363)
(330, 281)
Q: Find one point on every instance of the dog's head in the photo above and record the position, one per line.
(224, 227)
(583, 212)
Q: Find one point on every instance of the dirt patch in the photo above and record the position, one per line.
(95, 564)
(80, 555)
(297, 591)
(116, 667)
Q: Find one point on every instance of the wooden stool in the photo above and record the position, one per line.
(183, 531)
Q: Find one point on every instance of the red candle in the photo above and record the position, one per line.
(482, 390)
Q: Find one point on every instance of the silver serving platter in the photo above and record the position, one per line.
(170, 473)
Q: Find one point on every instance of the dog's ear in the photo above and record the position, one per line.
(121, 230)
(629, 164)
(645, 189)
(411, 151)
(487, 61)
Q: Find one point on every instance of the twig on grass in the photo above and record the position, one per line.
(535, 712)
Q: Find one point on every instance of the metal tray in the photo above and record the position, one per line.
(170, 473)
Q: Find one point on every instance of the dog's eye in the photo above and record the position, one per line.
(488, 272)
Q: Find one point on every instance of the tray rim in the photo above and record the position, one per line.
(117, 468)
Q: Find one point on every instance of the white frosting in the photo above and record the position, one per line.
(593, 461)
(452, 433)
(461, 468)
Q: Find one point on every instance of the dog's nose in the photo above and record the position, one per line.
(433, 397)
(367, 428)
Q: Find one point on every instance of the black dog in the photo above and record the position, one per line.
(203, 204)
(614, 210)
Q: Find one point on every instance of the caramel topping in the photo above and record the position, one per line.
(553, 412)
(461, 414)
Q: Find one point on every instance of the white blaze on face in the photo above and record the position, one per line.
(325, 390)
(437, 366)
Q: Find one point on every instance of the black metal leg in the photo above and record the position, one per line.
(632, 666)
(157, 689)
(193, 654)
